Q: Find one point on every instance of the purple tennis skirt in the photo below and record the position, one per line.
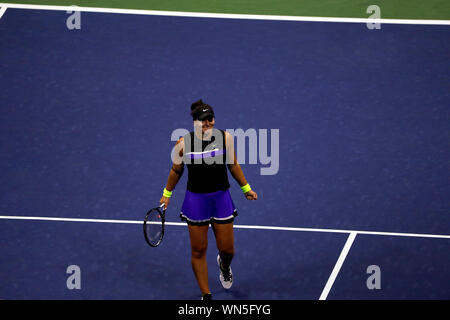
(204, 208)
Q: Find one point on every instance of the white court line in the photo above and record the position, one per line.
(338, 266)
(254, 227)
(228, 15)
(334, 273)
(3, 9)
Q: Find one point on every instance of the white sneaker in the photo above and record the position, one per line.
(225, 276)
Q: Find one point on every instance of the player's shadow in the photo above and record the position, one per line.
(231, 294)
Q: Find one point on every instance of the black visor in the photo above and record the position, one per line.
(206, 112)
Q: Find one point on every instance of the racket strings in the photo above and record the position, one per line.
(153, 227)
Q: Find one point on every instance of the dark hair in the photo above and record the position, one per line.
(198, 103)
(197, 107)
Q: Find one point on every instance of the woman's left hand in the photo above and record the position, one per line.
(251, 195)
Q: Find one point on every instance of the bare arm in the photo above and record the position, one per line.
(235, 167)
(176, 171)
(237, 173)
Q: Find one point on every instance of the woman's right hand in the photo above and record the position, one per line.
(164, 201)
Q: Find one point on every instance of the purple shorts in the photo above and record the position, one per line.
(204, 208)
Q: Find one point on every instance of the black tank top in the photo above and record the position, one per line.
(206, 162)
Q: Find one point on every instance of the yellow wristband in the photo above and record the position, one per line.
(246, 188)
(167, 193)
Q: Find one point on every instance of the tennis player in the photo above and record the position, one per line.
(207, 152)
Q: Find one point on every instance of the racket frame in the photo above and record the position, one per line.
(162, 212)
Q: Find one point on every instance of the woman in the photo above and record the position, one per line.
(207, 152)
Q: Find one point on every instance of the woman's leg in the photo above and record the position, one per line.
(225, 242)
(199, 243)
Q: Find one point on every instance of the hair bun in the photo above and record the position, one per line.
(196, 104)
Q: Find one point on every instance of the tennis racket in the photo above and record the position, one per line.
(154, 225)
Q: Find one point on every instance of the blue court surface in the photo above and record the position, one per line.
(85, 133)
